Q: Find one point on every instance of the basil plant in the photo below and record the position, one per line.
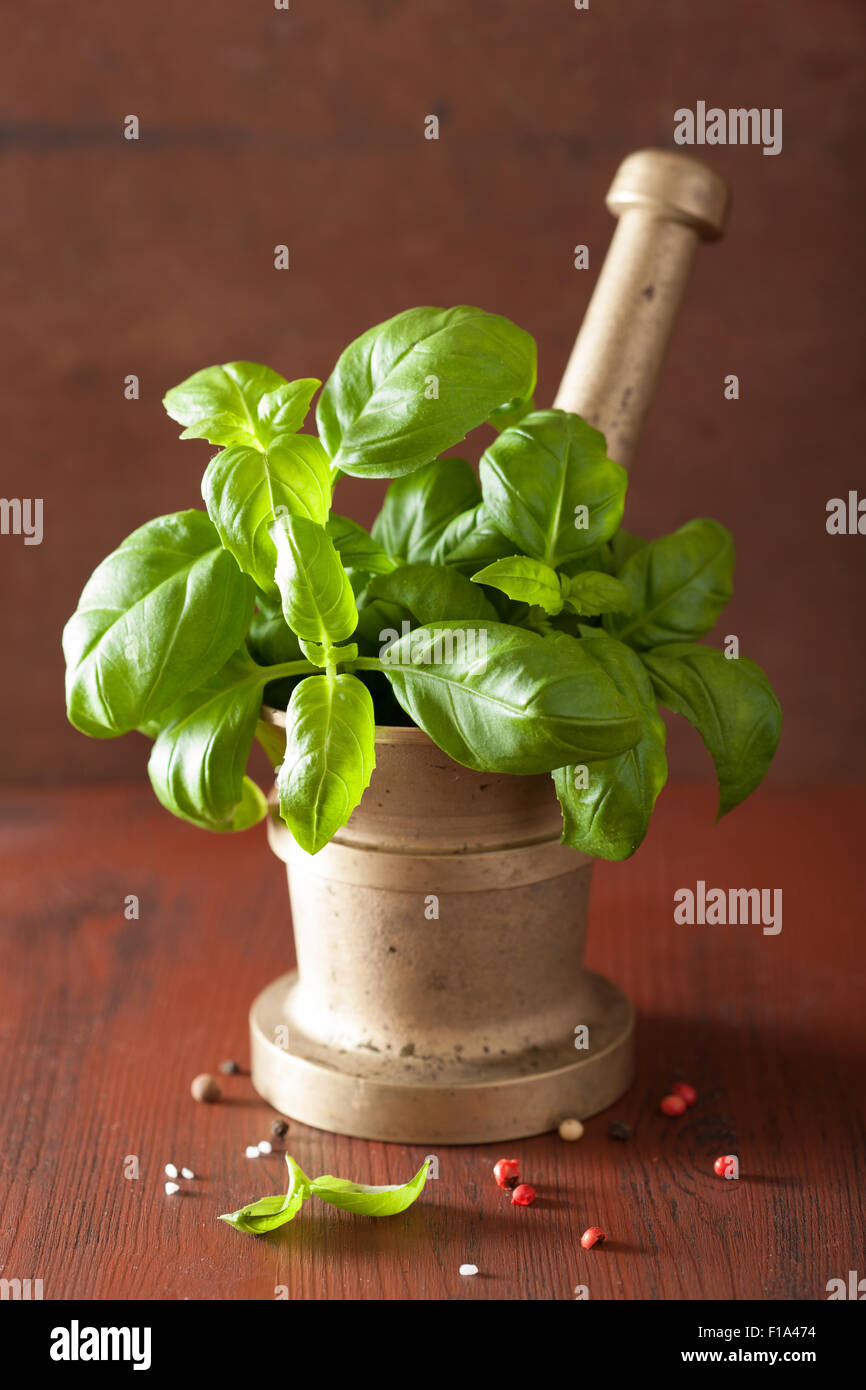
(503, 612)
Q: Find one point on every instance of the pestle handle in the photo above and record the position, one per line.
(667, 203)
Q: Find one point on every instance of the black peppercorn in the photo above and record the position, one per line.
(618, 1130)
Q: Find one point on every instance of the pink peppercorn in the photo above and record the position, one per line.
(688, 1093)
(724, 1164)
(673, 1105)
(523, 1195)
(507, 1172)
(594, 1236)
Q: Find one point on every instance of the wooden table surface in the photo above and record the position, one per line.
(105, 1021)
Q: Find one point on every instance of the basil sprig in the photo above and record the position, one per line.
(508, 614)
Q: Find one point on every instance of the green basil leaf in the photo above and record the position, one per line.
(318, 603)
(220, 403)
(379, 624)
(731, 704)
(610, 816)
(621, 547)
(432, 592)
(245, 489)
(357, 548)
(550, 487)
(471, 540)
(364, 1200)
(502, 699)
(161, 614)
(679, 585)
(414, 386)
(273, 740)
(504, 416)
(330, 756)
(269, 1213)
(418, 509)
(270, 639)
(200, 754)
(284, 410)
(594, 592)
(525, 580)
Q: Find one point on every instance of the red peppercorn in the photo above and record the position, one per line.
(523, 1195)
(673, 1105)
(594, 1236)
(725, 1164)
(688, 1093)
(507, 1172)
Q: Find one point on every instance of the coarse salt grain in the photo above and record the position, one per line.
(170, 1170)
(468, 1269)
(252, 1150)
(187, 1173)
(265, 1146)
(171, 1188)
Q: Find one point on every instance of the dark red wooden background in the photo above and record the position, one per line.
(109, 1020)
(305, 127)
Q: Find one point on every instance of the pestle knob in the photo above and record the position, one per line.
(667, 203)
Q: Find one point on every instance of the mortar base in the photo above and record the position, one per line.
(484, 1107)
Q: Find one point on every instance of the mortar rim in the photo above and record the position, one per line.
(385, 733)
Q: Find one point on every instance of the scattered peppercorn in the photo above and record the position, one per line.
(571, 1130)
(619, 1130)
(688, 1093)
(280, 1128)
(507, 1172)
(594, 1236)
(206, 1088)
(229, 1068)
(673, 1105)
(523, 1195)
(727, 1165)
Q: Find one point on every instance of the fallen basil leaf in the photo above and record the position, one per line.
(269, 1213)
(362, 1200)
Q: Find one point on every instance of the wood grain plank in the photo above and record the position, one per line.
(105, 1021)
